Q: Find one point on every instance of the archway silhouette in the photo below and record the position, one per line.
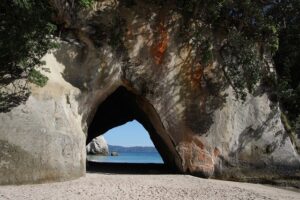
(123, 106)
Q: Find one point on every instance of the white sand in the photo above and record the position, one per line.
(150, 187)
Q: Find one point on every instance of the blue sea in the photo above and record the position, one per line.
(137, 157)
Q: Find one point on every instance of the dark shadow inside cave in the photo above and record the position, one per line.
(119, 108)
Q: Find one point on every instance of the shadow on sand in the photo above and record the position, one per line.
(128, 168)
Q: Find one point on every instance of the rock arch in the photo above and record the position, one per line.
(124, 105)
(195, 126)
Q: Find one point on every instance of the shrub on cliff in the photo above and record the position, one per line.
(250, 29)
(287, 61)
(25, 36)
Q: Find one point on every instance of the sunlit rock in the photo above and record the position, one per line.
(119, 62)
(98, 146)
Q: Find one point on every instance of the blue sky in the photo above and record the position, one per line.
(129, 134)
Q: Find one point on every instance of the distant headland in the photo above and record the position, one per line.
(134, 149)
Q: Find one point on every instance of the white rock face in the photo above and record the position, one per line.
(43, 140)
(196, 129)
(98, 146)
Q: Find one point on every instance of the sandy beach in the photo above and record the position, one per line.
(147, 186)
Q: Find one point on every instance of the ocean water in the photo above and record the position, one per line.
(140, 157)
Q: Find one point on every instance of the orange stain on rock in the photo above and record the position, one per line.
(201, 156)
(159, 49)
(199, 143)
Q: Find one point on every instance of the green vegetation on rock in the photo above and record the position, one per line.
(253, 33)
(287, 62)
(37, 77)
(86, 3)
(247, 34)
(26, 34)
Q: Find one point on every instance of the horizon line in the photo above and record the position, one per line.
(129, 146)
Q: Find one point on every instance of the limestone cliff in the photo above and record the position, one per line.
(118, 62)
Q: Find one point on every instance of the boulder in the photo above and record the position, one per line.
(97, 146)
(114, 153)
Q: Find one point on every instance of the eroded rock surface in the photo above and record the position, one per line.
(98, 146)
(118, 62)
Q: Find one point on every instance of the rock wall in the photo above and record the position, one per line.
(194, 120)
(43, 139)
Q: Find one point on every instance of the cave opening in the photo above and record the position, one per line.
(124, 106)
(128, 143)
